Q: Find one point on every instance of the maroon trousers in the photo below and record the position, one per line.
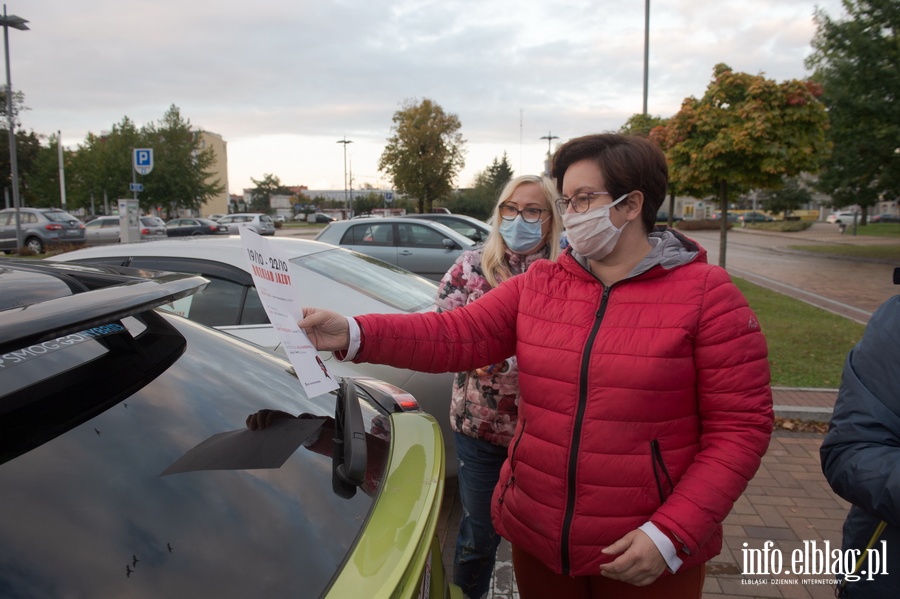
(537, 581)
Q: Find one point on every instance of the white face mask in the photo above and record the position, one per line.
(591, 233)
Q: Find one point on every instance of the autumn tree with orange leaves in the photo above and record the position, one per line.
(746, 132)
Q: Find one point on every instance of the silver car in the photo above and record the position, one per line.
(424, 247)
(40, 228)
(256, 222)
(107, 229)
(331, 277)
(471, 227)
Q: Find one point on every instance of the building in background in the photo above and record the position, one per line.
(219, 203)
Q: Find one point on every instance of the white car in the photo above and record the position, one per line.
(842, 218)
(256, 222)
(331, 277)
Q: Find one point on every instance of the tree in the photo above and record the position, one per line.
(261, 195)
(425, 153)
(182, 168)
(480, 199)
(654, 129)
(791, 196)
(102, 166)
(641, 125)
(746, 132)
(856, 61)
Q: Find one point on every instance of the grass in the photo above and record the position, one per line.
(887, 252)
(807, 345)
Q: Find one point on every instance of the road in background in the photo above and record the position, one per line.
(850, 287)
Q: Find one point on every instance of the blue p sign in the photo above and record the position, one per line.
(143, 160)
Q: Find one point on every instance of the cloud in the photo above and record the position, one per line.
(282, 80)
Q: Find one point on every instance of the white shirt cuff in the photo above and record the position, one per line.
(665, 546)
(355, 335)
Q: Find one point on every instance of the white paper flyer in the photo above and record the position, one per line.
(273, 276)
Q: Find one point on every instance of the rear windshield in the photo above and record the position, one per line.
(152, 221)
(59, 216)
(388, 284)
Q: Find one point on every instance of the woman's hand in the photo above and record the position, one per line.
(498, 368)
(639, 561)
(326, 330)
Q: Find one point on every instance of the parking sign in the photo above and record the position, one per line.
(143, 160)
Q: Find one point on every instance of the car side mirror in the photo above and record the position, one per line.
(349, 456)
(448, 244)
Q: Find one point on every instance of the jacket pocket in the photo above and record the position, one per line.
(664, 484)
(512, 463)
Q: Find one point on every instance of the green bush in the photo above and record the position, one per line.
(781, 226)
(701, 225)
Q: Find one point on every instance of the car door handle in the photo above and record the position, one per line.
(406, 253)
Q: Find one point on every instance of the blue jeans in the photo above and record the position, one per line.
(477, 541)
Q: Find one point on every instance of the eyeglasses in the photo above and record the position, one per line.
(580, 202)
(530, 214)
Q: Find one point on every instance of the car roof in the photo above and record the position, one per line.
(227, 248)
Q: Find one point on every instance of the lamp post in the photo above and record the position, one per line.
(346, 141)
(16, 23)
(549, 137)
(646, 50)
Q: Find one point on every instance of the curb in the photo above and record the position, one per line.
(804, 413)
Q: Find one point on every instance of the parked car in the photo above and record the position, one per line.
(40, 228)
(338, 278)
(188, 227)
(256, 222)
(318, 218)
(885, 218)
(278, 218)
(106, 404)
(107, 229)
(731, 216)
(215, 217)
(474, 229)
(755, 217)
(424, 247)
(842, 218)
(663, 217)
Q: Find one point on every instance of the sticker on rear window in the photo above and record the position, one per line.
(20, 356)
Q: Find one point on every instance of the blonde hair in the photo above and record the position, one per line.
(493, 257)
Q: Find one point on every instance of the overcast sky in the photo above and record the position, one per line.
(283, 80)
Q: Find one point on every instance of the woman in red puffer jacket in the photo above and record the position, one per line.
(645, 405)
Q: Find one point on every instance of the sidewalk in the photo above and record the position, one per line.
(787, 502)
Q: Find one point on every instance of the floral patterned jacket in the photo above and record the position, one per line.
(483, 407)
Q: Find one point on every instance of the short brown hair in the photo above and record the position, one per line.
(628, 163)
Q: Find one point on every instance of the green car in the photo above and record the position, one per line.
(129, 466)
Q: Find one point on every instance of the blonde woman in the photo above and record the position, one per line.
(484, 404)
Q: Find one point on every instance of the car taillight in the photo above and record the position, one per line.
(145, 231)
(54, 227)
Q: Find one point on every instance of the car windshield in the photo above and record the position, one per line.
(386, 283)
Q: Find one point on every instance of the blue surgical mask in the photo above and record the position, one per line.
(519, 235)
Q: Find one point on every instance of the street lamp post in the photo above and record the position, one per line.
(346, 141)
(549, 137)
(16, 23)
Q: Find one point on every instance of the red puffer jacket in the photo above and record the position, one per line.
(646, 400)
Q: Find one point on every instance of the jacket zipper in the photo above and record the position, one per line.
(576, 434)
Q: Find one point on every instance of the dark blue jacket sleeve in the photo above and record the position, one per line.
(861, 452)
